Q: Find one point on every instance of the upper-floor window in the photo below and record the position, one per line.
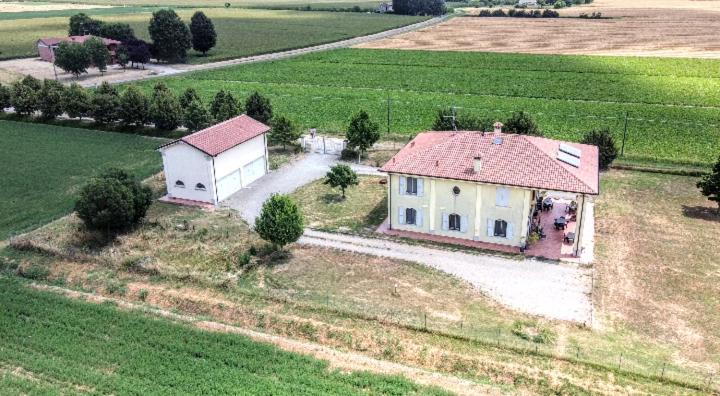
(411, 186)
(502, 196)
(200, 187)
(179, 183)
(454, 222)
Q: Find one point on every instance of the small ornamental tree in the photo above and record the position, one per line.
(341, 176)
(203, 32)
(165, 111)
(138, 52)
(106, 88)
(523, 124)
(142, 195)
(605, 143)
(259, 108)
(32, 82)
(76, 102)
(224, 106)
(170, 36)
(362, 133)
(134, 107)
(280, 221)
(24, 97)
(5, 94)
(709, 185)
(196, 116)
(73, 58)
(51, 99)
(98, 52)
(284, 132)
(189, 95)
(104, 107)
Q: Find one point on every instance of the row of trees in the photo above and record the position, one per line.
(419, 7)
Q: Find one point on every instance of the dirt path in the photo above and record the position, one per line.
(556, 291)
(338, 359)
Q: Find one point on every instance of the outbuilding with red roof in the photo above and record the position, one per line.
(212, 164)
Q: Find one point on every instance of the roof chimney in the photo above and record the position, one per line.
(498, 127)
(477, 164)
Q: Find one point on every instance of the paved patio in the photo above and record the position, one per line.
(554, 246)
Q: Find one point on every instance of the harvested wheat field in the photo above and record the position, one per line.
(24, 7)
(670, 28)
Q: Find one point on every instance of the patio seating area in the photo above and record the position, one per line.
(556, 218)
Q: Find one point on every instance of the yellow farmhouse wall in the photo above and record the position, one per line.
(476, 203)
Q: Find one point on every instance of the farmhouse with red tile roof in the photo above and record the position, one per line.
(47, 46)
(212, 164)
(490, 187)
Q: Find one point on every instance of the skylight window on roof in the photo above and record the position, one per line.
(568, 159)
(570, 150)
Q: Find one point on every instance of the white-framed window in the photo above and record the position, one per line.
(502, 197)
(500, 228)
(411, 186)
(200, 187)
(179, 184)
(454, 222)
(410, 216)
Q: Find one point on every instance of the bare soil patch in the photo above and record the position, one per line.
(644, 28)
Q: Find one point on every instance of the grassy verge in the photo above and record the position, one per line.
(44, 165)
(672, 105)
(79, 347)
(241, 32)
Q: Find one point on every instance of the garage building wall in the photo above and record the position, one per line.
(191, 166)
(239, 156)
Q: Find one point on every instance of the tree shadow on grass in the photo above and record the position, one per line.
(701, 212)
(332, 198)
(377, 215)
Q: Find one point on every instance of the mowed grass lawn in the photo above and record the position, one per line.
(241, 32)
(673, 105)
(54, 345)
(44, 166)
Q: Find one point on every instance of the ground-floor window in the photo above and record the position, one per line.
(500, 228)
(410, 216)
(454, 222)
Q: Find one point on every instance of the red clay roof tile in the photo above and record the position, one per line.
(225, 135)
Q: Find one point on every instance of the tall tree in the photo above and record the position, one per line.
(50, 100)
(605, 143)
(709, 185)
(284, 131)
(104, 107)
(196, 116)
(522, 123)
(189, 95)
(81, 24)
(341, 176)
(73, 58)
(134, 107)
(117, 31)
(224, 106)
(138, 52)
(77, 101)
(203, 32)
(165, 111)
(280, 221)
(259, 108)
(98, 52)
(170, 36)
(24, 97)
(362, 133)
(5, 95)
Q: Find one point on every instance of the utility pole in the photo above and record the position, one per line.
(622, 150)
(453, 117)
(389, 105)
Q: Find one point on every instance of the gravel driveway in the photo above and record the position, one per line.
(285, 180)
(556, 291)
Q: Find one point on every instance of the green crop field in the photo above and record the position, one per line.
(672, 105)
(44, 165)
(279, 4)
(241, 32)
(52, 345)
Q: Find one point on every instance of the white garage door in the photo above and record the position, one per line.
(228, 185)
(253, 171)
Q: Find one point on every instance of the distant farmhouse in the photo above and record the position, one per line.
(47, 46)
(527, 3)
(494, 189)
(210, 165)
(384, 7)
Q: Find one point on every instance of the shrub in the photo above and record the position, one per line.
(143, 294)
(196, 116)
(522, 123)
(284, 132)
(419, 7)
(51, 99)
(76, 101)
(532, 331)
(165, 111)
(341, 176)
(462, 122)
(605, 143)
(134, 107)
(5, 94)
(259, 108)
(224, 106)
(189, 95)
(24, 97)
(203, 32)
(115, 286)
(548, 13)
(280, 221)
(362, 132)
(709, 185)
(104, 107)
(73, 58)
(498, 13)
(559, 4)
(34, 271)
(170, 36)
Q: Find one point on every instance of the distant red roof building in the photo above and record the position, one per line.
(506, 159)
(225, 135)
(47, 46)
